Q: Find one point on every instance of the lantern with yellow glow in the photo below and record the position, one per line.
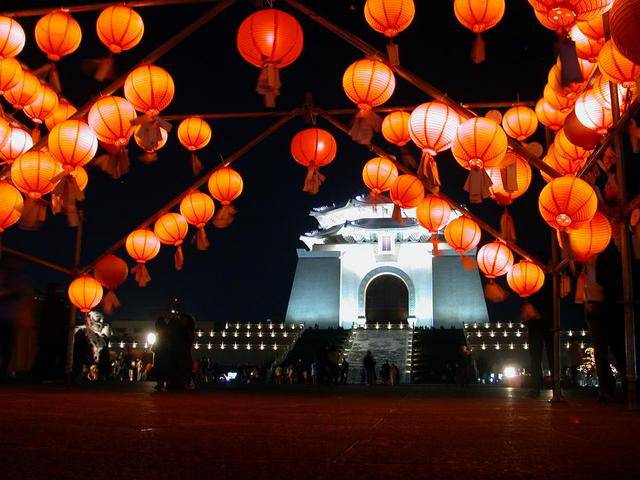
(462, 234)
(433, 213)
(525, 278)
(120, 28)
(142, 245)
(63, 111)
(479, 143)
(549, 116)
(18, 142)
(586, 48)
(625, 28)
(194, 134)
(592, 114)
(395, 128)
(479, 16)
(58, 34)
(10, 74)
(313, 148)
(520, 122)
(567, 202)
(432, 127)
(42, 106)
(110, 118)
(85, 293)
(368, 83)
(270, 39)
(590, 239)
(569, 154)
(558, 100)
(111, 272)
(507, 186)
(225, 185)
(379, 174)
(171, 229)
(616, 68)
(390, 17)
(25, 92)
(198, 208)
(12, 37)
(406, 192)
(72, 143)
(11, 205)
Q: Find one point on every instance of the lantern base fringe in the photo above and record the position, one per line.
(35, 134)
(196, 164)
(110, 302)
(428, 170)
(225, 216)
(115, 164)
(200, 239)
(148, 157)
(102, 68)
(65, 197)
(478, 185)
(397, 214)
(34, 213)
(313, 180)
(141, 274)
(149, 135)
(435, 242)
(494, 292)
(269, 84)
(507, 227)
(478, 50)
(178, 258)
(529, 312)
(469, 262)
(393, 54)
(365, 125)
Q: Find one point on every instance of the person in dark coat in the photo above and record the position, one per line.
(369, 365)
(161, 353)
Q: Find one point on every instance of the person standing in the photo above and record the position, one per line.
(161, 353)
(369, 364)
(394, 374)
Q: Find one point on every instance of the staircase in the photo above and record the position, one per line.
(385, 344)
(435, 354)
(311, 341)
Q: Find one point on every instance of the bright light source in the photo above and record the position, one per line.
(509, 372)
(151, 338)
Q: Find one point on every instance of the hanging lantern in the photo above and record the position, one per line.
(119, 28)
(562, 14)
(25, 92)
(569, 154)
(63, 111)
(368, 83)
(479, 143)
(81, 177)
(462, 234)
(313, 148)
(194, 133)
(592, 114)
(150, 151)
(494, 259)
(171, 229)
(379, 174)
(198, 208)
(432, 127)
(616, 68)
(85, 293)
(72, 143)
(33, 173)
(586, 48)
(567, 203)
(558, 100)
(590, 239)
(18, 142)
(390, 17)
(142, 245)
(11, 205)
(509, 185)
(395, 128)
(270, 39)
(111, 272)
(558, 84)
(549, 116)
(12, 37)
(10, 74)
(225, 185)
(624, 22)
(580, 135)
(433, 214)
(43, 105)
(602, 93)
(110, 118)
(520, 122)
(58, 34)
(593, 28)
(479, 16)
(406, 192)
(525, 278)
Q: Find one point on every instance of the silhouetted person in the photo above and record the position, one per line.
(394, 374)
(384, 372)
(344, 372)
(12, 290)
(54, 322)
(464, 366)
(161, 353)
(369, 365)
(104, 364)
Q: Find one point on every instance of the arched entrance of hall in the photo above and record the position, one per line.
(387, 300)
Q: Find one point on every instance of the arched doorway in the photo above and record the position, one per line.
(387, 300)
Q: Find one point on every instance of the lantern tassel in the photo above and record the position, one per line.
(269, 84)
(110, 302)
(313, 180)
(141, 274)
(529, 312)
(393, 54)
(225, 216)
(469, 262)
(435, 242)
(178, 258)
(397, 214)
(365, 124)
(105, 69)
(35, 134)
(65, 197)
(196, 164)
(567, 253)
(34, 213)
(478, 50)
(200, 239)
(148, 157)
(115, 164)
(478, 185)
(494, 292)
(507, 227)
(428, 169)
(149, 135)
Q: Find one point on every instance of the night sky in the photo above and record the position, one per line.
(247, 273)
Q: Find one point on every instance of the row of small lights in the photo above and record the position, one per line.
(208, 346)
(499, 325)
(377, 326)
(237, 333)
(259, 326)
(525, 346)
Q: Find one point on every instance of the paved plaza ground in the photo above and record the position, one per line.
(370, 433)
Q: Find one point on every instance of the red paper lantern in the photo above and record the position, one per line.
(525, 278)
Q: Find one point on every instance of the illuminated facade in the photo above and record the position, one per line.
(362, 267)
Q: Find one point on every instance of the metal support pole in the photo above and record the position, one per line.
(73, 313)
(557, 396)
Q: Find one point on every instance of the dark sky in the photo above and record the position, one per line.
(247, 273)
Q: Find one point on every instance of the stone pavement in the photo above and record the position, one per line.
(304, 432)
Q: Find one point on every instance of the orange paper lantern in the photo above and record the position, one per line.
(10, 74)
(110, 118)
(379, 174)
(81, 177)
(478, 16)
(433, 126)
(389, 17)
(142, 245)
(554, 79)
(111, 272)
(18, 142)
(395, 128)
(616, 68)
(12, 37)
(592, 114)
(525, 278)
(567, 203)
(11, 205)
(368, 83)
(522, 176)
(462, 234)
(562, 14)
(58, 34)
(171, 229)
(557, 100)
(624, 22)
(25, 92)
(494, 259)
(225, 185)
(198, 208)
(590, 239)
(549, 116)
(44, 104)
(433, 213)
(593, 28)
(85, 293)
(72, 143)
(120, 28)
(406, 192)
(63, 111)
(33, 173)
(520, 122)
(586, 48)
(149, 89)
(479, 143)
(194, 133)
(602, 92)
(313, 148)
(572, 155)
(580, 135)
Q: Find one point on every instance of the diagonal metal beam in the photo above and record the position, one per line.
(37, 260)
